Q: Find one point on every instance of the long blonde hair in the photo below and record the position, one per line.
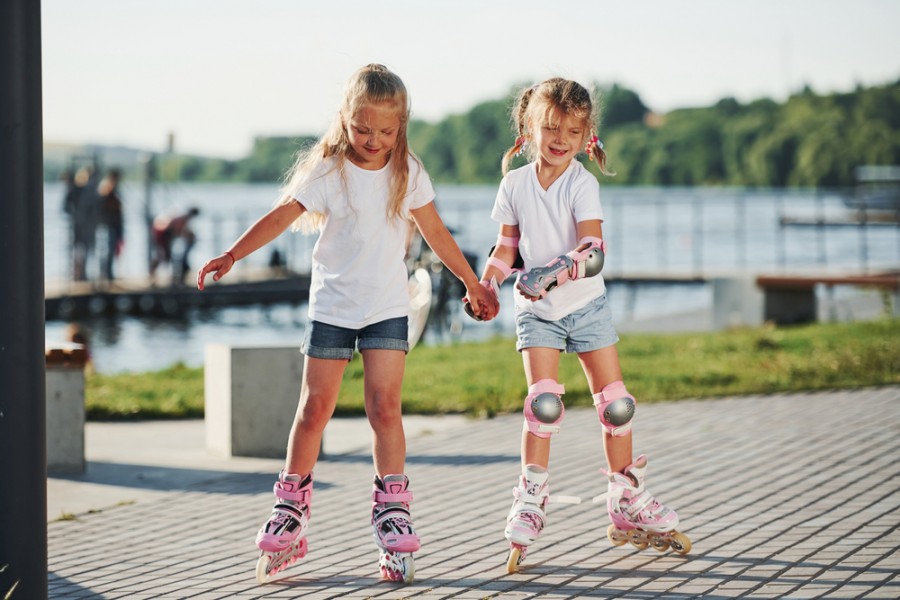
(372, 84)
(539, 104)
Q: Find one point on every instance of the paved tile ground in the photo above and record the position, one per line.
(794, 496)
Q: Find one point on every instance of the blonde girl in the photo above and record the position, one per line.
(358, 187)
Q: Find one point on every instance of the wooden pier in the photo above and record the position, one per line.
(140, 297)
(68, 300)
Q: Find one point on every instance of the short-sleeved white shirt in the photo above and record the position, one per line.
(547, 222)
(359, 274)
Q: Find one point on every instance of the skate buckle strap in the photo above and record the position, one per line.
(298, 496)
(615, 494)
(527, 498)
(380, 496)
(640, 502)
(561, 499)
(616, 489)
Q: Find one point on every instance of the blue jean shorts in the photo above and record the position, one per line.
(588, 328)
(330, 341)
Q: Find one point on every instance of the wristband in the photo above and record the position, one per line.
(233, 259)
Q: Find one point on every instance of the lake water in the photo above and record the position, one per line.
(683, 231)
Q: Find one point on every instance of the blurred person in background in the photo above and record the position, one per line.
(167, 232)
(111, 216)
(81, 204)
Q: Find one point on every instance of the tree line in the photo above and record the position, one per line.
(809, 140)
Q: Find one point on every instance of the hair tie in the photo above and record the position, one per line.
(594, 141)
(521, 142)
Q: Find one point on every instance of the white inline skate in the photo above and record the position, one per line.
(637, 516)
(393, 529)
(282, 539)
(528, 515)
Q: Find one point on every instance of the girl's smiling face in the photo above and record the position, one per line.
(372, 133)
(559, 139)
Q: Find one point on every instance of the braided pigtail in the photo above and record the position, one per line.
(519, 112)
(595, 153)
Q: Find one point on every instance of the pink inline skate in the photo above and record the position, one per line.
(527, 515)
(637, 516)
(282, 539)
(393, 529)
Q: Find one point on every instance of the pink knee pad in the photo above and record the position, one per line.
(615, 407)
(544, 408)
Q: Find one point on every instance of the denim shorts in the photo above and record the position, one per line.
(588, 328)
(330, 341)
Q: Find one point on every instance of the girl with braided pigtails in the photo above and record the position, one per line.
(550, 220)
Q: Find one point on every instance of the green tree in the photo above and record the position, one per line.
(621, 106)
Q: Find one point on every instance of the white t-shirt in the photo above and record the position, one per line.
(547, 221)
(359, 276)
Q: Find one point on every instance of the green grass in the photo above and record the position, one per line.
(173, 393)
(485, 379)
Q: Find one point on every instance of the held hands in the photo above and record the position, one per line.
(219, 265)
(481, 301)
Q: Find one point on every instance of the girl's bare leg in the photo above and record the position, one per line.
(540, 363)
(601, 367)
(318, 397)
(383, 380)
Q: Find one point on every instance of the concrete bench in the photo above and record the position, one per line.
(251, 395)
(790, 299)
(784, 299)
(65, 408)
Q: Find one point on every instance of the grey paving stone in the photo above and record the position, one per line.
(774, 504)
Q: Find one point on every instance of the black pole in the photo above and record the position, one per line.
(23, 450)
(149, 161)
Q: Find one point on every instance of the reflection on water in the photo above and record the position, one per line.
(649, 230)
(124, 343)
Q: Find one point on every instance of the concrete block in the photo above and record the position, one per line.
(65, 418)
(791, 306)
(737, 302)
(251, 395)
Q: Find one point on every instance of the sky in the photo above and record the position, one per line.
(218, 73)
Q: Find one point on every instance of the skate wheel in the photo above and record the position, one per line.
(679, 542)
(659, 543)
(262, 567)
(270, 563)
(409, 569)
(397, 566)
(616, 537)
(638, 539)
(515, 559)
